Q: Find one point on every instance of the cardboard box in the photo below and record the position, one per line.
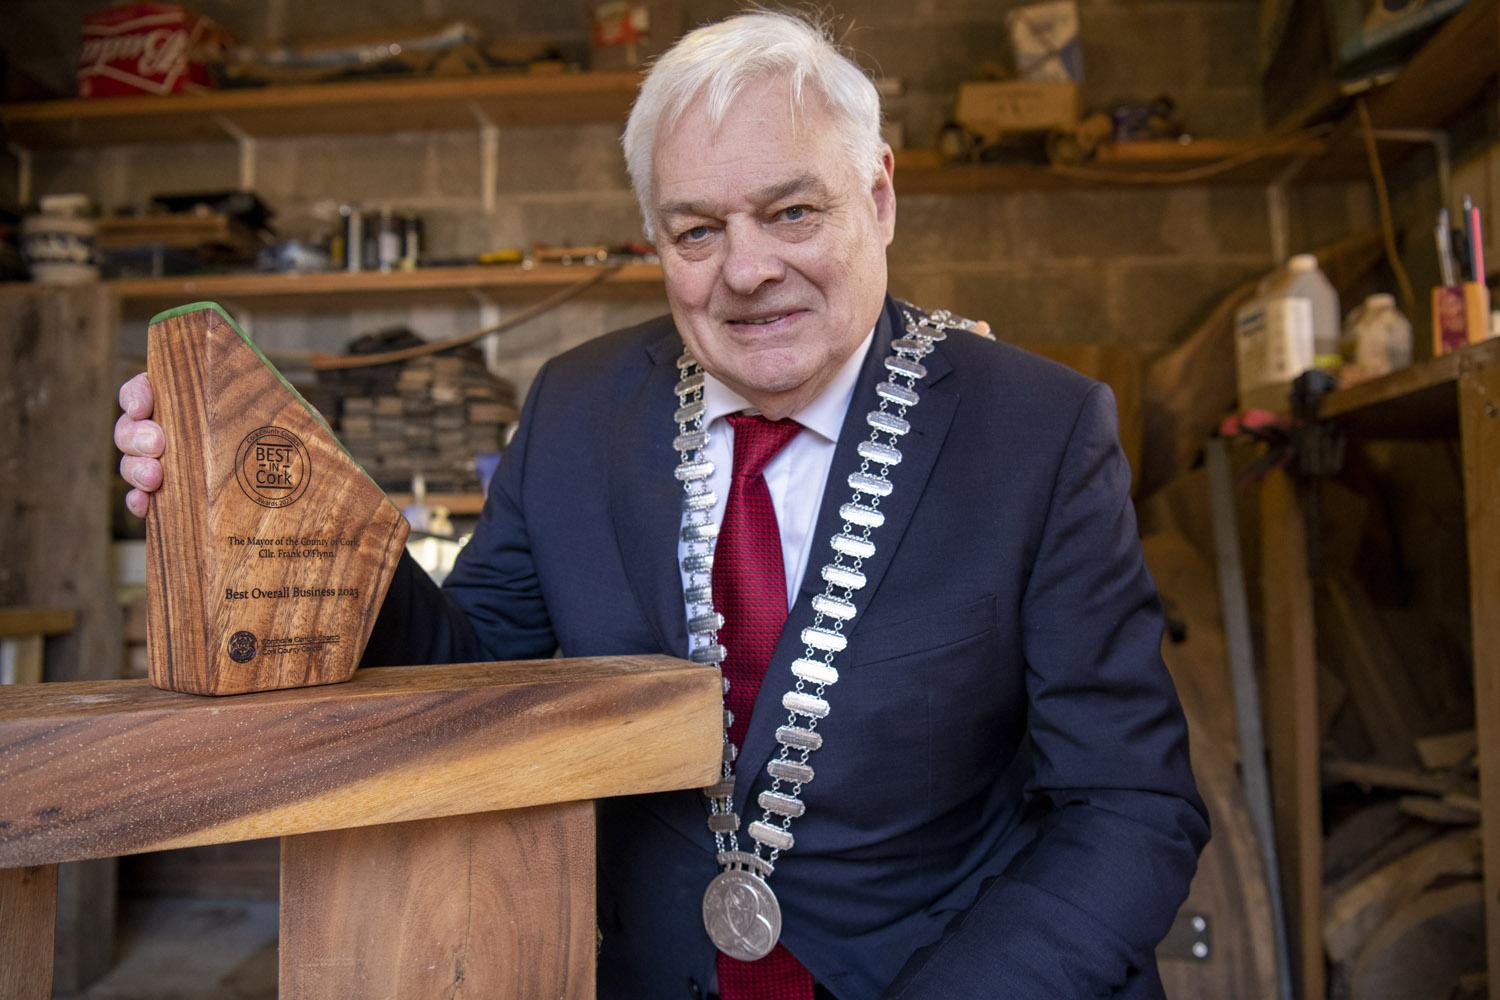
(992, 109)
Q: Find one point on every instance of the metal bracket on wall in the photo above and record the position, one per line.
(246, 143)
(1278, 215)
(1442, 148)
(489, 315)
(489, 156)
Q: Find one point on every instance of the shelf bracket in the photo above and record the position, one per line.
(246, 143)
(489, 316)
(23, 173)
(1278, 215)
(489, 156)
(1442, 148)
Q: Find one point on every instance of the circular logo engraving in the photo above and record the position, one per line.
(242, 647)
(741, 915)
(273, 467)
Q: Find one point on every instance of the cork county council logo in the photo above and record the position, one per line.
(273, 467)
(242, 647)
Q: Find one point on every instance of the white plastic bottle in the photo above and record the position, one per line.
(1273, 334)
(1305, 281)
(1377, 340)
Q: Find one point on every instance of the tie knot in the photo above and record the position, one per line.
(757, 441)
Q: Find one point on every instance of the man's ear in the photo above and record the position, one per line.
(884, 192)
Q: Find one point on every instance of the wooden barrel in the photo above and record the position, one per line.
(1229, 890)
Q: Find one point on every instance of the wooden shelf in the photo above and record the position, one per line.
(1420, 401)
(1446, 75)
(1134, 164)
(364, 106)
(458, 504)
(344, 290)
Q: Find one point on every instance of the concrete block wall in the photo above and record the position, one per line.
(1136, 266)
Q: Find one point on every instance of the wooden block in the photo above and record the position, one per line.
(269, 550)
(1479, 432)
(1447, 750)
(101, 769)
(28, 897)
(1457, 813)
(1292, 724)
(20, 622)
(496, 904)
(1374, 775)
(1353, 915)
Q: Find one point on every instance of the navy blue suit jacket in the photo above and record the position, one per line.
(1003, 805)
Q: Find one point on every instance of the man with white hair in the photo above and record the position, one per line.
(961, 765)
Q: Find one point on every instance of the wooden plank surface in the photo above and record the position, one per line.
(1418, 401)
(35, 621)
(342, 289)
(489, 905)
(28, 897)
(57, 471)
(1292, 725)
(1479, 423)
(93, 770)
(358, 106)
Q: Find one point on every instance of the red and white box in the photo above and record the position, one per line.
(148, 48)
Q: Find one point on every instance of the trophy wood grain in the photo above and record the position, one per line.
(105, 768)
(28, 898)
(230, 555)
(497, 904)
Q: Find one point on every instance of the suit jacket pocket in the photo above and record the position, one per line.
(923, 632)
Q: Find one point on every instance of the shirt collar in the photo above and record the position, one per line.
(823, 416)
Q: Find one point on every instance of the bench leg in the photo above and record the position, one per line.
(28, 908)
(495, 905)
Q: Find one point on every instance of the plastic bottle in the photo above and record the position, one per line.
(1305, 281)
(1273, 342)
(1377, 340)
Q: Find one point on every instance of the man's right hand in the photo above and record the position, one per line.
(140, 440)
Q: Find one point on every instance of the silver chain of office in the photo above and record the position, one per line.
(740, 911)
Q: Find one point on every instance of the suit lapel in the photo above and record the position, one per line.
(645, 497)
(930, 420)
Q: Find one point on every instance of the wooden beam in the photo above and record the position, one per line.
(28, 897)
(489, 905)
(1479, 431)
(92, 770)
(1292, 725)
(21, 622)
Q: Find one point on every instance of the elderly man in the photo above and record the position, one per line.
(954, 763)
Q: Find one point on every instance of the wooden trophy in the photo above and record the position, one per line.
(269, 550)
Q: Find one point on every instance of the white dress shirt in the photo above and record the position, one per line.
(796, 476)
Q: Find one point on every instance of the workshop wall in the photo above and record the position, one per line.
(1135, 266)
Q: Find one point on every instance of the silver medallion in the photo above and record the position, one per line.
(741, 915)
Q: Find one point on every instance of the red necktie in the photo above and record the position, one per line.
(749, 588)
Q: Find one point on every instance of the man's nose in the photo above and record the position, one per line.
(752, 258)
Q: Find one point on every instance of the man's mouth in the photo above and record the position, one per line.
(763, 320)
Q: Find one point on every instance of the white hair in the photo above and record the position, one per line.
(718, 60)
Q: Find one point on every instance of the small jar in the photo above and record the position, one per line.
(60, 243)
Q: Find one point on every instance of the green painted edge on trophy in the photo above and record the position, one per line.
(311, 410)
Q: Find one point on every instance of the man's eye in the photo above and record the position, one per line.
(794, 214)
(695, 234)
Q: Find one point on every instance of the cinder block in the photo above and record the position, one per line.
(925, 288)
(933, 228)
(577, 216)
(1324, 212)
(454, 165)
(907, 51)
(1136, 52)
(1228, 35)
(371, 169)
(198, 166)
(1221, 111)
(1046, 301)
(554, 158)
(1153, 302)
